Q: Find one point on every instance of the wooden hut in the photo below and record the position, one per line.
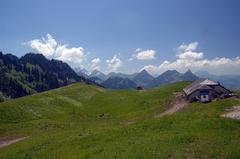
(205, 90)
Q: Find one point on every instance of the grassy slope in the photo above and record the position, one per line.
(65, 123)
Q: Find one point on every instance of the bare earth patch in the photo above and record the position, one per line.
(5, 141)
(177, 103)
(234, 113)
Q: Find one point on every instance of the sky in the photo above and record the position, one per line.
(128, 35)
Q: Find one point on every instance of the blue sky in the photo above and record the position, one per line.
(104, 35)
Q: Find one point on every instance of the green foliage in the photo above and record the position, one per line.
(85, 121)
(3, 97)
(33, 73)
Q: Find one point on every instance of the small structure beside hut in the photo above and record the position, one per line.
(139, 88)
(205, 90)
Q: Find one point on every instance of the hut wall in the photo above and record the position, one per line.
(197, 94)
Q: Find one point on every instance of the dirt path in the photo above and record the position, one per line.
(5, 141)
(177, 103)
(234, 113)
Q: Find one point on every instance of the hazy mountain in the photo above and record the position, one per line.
(118, 83)
(166, 77)
(122, 75)
(189, 76)
(143, 78)
(116, 74)
(171, 76)
(33, 73)
(229, 81)
(96, 80)
(102, 76)
(99, 74)
(81, 72)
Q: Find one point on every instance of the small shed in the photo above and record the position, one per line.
(205, 90)
(139, 88)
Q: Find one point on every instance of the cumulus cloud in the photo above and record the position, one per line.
(95, 63)
(52, 49)
(188, 52)
(143, 54)
(190, 47)
(189, 58)
(114, 64)
(45, 46)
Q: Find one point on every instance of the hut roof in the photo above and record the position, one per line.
(199, 84)
(208, 82)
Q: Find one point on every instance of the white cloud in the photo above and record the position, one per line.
(190, 47)
(114, 64)
(95, 63)
(188, 52)
(52, 49)
(45, 46)
(73, 56)
(188, 58)
(143, 54)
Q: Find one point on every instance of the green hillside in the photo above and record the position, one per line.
(86, 121)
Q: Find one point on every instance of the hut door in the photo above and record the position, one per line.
(204, 96)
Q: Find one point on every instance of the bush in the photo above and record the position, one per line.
(2, 97)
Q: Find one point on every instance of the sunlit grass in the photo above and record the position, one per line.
(85, 121)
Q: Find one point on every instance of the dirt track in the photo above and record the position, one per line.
(177, 103)
(5, 141)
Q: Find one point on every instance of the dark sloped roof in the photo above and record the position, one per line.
(199, 84)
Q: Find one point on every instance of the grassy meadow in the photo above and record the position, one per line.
(86, 121)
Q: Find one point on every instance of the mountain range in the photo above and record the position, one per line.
(143, 79)
(146, 80)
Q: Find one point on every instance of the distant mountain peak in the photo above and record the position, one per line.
(143, 78)
(144, 71)
(170, 73)
(96, 72)
(175, 71)
(99, 74)
(189, 76)
(81, 72)
(171, 76)
(189, 71)
(80, 69)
